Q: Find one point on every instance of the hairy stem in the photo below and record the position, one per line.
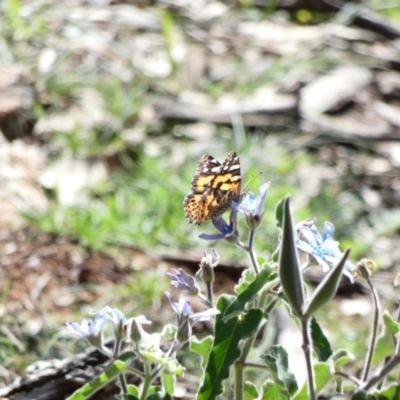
(250, 250)
(307, 354)
(210, 299)
(117, 350)
(147, 379)
(239, 381)
(374, 333)
(351, 378)
(241, 361)
(392, 363)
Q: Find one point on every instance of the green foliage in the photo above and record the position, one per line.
(203, 348)
(226, 349)
(271, 391)
(111, 372)
(385, 344)
(320, 343)
(250, 391)
(277, 361)
(265, 277)
(322, 375)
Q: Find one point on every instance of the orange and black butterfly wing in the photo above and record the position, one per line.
(207, 167)
(214, 186)
(229, 179)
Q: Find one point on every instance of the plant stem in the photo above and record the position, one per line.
(374, 333)
(240, 362)
(239, 381)
(250, 250)
(353, 379)
(392, 363)
(209, 288)
(307, 354)
(147, 379)
(121, 377)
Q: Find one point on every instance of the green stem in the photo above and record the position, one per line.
(239, 381)
(307, 354)
(147, 379)
(349, 377)
(241, 361)
(250, 250)
(392, 363)
(209, 288)
(117, 350)
(371, 348)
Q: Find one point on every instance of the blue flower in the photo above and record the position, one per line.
(324, 249)
(183, 310)
(88, 327)
(116, 316)
(252, 205)
(227, 231)
(182, 281)
(91, 330)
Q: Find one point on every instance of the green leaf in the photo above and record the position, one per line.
(202, 347)
(391, 324)
(337, 360)
(170, 364)
(261, 260)
(161, 395)
(322, 375)
(127, 356)
(339, 385)
(271, 392)
(133, 390)
(289, 265)
(279, 212)
(385, 345)
(226, 349)
(238, 306)
(248, 276)
(277, 361)
(168, 381)
(250, 391)
(327, 288)
(391, 392)
(362, 396)
(320, 343)
(116, 368)
(130, 397)
(340, 358)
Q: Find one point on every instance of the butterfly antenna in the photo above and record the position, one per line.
(252, 179)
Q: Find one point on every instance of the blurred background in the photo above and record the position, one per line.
(106, 108)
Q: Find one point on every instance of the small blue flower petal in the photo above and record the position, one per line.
(224, 229)
(324, 249)
(88, 328)
(329, 228)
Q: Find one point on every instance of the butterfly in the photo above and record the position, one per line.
(214, 187)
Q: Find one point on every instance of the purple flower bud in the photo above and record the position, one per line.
(182, 281)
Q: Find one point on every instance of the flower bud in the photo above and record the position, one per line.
(135, 331)
(364, 268)
(184, 332)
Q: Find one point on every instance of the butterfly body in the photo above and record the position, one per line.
(214, 187)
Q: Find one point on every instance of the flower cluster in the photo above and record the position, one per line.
(237, 320)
